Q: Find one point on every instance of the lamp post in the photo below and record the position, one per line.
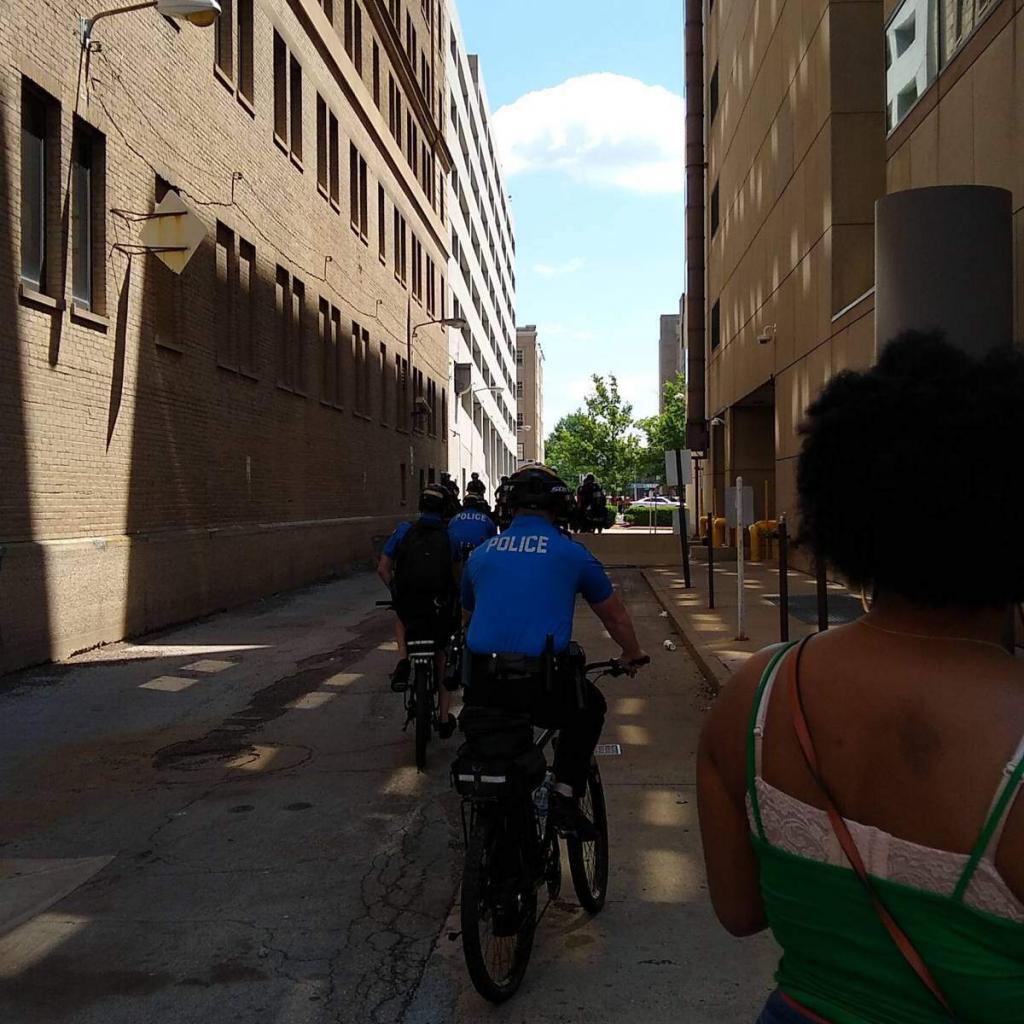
(202, 13)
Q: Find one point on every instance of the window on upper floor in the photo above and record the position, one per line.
(713, 95)
(358, 193)
(88, 218)
(714, 214)
(40, 183)
(715, 331)
(233, 48)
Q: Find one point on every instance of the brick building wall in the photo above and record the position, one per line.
(187, 443)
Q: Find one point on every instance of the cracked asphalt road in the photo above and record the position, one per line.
(272, 857)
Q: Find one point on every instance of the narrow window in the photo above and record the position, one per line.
(716, 325)
(364, 190)
(348, 30)
(321, 142)
(339, 396)
(35, 153)
(244, 297)
(357, 369)
(88, 205)
(326, 360)
(398, 392)
(381, 224)
(280, 89)
(357, 41)
(353, 186)
(296, 108)
(246, 66)
(402, 490)
(334, 157)
(224, 44)
(376, 74)
(226, 278)
(297, 335)
(383, 383)
(283, 306)
(714, 212)
(713, 95)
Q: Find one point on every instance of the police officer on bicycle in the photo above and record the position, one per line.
(518, 596)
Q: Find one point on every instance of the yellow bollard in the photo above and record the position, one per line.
(760, 539)
(718, 536)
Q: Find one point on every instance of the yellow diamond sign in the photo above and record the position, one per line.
(173, 233)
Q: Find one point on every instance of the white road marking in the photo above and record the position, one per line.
(169, 684)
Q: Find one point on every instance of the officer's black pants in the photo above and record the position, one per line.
(579, 726)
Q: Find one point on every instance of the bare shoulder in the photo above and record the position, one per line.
(724, 737)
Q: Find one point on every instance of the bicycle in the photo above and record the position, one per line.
(422, 702)
(512, 851)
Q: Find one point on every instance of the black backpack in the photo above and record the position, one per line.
(423, 568)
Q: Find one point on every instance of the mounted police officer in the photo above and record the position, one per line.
(518, 595)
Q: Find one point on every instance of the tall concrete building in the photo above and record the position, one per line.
(795, 134)
(813, 112)
(483, 281)
(529, 395)
(178, 443)
(670, 353)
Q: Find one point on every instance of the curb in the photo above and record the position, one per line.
(711, 668)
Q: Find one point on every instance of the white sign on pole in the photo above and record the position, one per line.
(733, 510)
(670, 468)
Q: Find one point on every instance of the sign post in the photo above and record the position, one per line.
(739, 505)
(681, 479)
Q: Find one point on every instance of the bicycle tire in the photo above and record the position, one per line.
(477, 919)
(424, 707)
(588, 862)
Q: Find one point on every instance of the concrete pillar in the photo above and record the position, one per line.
(944, 259)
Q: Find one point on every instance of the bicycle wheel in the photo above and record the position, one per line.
(424, 708)
(588, 861)
(498, 919)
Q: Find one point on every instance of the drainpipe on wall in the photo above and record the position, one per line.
(696, 175)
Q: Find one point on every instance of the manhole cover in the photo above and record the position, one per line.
(608, 750)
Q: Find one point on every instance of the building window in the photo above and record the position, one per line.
(358, 189)
(519, 389)
(226, 288)
(384, 370)
(244, 300)
(40, 163)
(376, 74)
(912, 54)
(520, 421)
(519, 357)
(714, 212)
(357, 56)
(224, 44)
(713, 95)
(382, 232)
(88, 208)
(716, 325)
(280, 89)
(431, 281)
(291, 300)
(295, 94)
(328, 8)
(417, 269)
(246, 64)
(444, 417)
(401, 267)
(331, 369)
(321, 143)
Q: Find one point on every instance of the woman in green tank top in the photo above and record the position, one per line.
(914, 714)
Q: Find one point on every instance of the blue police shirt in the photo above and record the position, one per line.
(391, 548)
(522, 586)
(470, 529)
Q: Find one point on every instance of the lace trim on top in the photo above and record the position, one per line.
(805, 831)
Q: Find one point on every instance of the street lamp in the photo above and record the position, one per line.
(449, 321)
(202, 13)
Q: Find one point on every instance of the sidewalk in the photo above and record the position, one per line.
(710, 636)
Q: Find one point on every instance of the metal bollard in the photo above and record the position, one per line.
(783, 535)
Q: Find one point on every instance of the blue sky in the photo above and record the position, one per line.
(594, 168)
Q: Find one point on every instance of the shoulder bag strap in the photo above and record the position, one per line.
(846, 841)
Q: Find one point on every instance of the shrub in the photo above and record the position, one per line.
(645, 516)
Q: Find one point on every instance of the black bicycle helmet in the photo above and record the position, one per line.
(475, 502)
(434, 500)
(539, 488)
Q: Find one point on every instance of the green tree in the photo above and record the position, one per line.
(666, 431)
(598, 439)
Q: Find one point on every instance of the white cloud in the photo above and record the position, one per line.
(560, 269)
(603, 129)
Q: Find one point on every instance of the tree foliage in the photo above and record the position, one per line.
(604, 439)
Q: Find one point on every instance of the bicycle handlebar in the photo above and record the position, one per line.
(615, 667)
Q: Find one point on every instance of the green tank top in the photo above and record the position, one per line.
(839, 960)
